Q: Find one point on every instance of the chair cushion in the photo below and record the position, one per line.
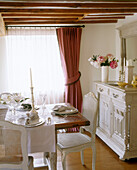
(68, 140)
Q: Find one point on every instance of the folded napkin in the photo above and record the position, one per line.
(62, 108)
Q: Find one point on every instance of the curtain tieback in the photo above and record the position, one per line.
(73, 79)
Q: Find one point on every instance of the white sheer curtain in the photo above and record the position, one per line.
(35, 48)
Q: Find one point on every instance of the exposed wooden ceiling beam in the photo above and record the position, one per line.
(17, 15)
(65, 12)
(75, 4)
(68, 11)
(110, 14)
(59, 22)
(108, 17)
(37, 19)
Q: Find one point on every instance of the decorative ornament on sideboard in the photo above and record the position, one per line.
(104, 62)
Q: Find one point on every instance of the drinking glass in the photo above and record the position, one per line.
(44, 98)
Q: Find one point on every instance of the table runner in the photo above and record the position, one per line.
(40, 138)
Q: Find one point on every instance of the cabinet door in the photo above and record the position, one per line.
(119, 121)
(104, 113)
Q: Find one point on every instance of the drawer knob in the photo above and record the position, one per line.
(100, 89)
(115, 95)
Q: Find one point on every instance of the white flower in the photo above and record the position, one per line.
(96, 64)
(91, 62)
(90, 59)
(6, 98)
(110, 57)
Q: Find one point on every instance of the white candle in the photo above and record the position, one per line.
(31, 84)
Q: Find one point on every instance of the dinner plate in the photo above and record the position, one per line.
(33, 123)
(66, 112)
(24, 110)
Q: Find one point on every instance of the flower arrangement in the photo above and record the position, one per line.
(108, 60)
(7, 98)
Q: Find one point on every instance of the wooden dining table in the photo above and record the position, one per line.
(63, 122)
(60, 122)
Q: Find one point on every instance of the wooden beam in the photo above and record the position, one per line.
(11, 15)
(110, 14)
(37, 19)
(108, 17)
(67, 11)
(75, 4)
(2, 26)
(59, 22)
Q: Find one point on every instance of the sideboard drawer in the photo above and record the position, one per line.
(115, 94)
(102, 89)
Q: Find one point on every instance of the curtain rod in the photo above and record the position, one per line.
(49, 26)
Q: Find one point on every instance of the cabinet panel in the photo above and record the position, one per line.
(119, 117)
(104, 113)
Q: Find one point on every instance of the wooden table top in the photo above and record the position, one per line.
(68, 121)
(62, 122)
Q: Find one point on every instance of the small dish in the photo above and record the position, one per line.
(122, 84)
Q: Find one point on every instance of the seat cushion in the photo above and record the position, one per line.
(68, 140)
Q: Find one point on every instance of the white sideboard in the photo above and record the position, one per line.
(117, 120)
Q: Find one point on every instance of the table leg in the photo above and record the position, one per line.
(51, 157)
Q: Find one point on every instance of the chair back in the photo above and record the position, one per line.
(90, 110)
(8, 157)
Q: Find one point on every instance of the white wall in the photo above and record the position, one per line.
(3, 83)
(96, 39)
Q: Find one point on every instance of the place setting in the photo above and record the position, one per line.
(64, 110)
(18, 112)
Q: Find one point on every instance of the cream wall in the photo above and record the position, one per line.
(96, 39)
(3, 83)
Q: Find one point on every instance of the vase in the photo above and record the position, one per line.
(104, 73)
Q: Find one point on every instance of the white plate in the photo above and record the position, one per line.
(37, 122)
(33, 124)
(66, 112)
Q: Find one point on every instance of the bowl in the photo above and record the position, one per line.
(122, 84)
(134, 85)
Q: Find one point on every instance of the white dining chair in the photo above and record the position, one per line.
(77, 142)
(12, 161)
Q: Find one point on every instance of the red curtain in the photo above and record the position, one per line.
(69, 44)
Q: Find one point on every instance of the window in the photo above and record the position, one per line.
(35, 48)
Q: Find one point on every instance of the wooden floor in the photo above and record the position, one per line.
(106, 159)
